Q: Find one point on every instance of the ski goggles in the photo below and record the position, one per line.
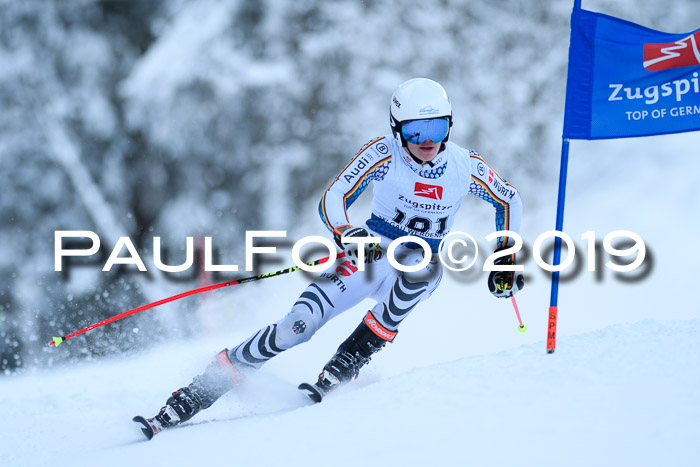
(418, 131)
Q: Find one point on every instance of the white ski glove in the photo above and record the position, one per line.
(372, 251)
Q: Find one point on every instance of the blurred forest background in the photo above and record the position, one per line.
(184, 118)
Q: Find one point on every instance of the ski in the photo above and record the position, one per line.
(149, 427)
(314, 392)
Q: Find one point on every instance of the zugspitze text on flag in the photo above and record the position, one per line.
(627, 80)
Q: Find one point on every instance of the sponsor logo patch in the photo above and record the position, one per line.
(429, 110)
(378, 329)
(382, 148)
(427, 191)
(346, 268)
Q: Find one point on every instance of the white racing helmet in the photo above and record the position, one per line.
(418, 99)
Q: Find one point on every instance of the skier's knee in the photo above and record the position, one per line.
(296, 328)
(428, 274)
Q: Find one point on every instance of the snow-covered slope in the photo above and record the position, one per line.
(624, 395)
(456, 388)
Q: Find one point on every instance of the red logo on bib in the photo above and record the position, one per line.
(428, 191)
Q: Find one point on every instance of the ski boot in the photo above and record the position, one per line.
(367, 339)
(218, 378)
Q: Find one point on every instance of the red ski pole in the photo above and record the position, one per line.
(521, 327)
(57, 340)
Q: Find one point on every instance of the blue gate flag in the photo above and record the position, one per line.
(626, 80)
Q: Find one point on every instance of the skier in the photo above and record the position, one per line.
(419, 181)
